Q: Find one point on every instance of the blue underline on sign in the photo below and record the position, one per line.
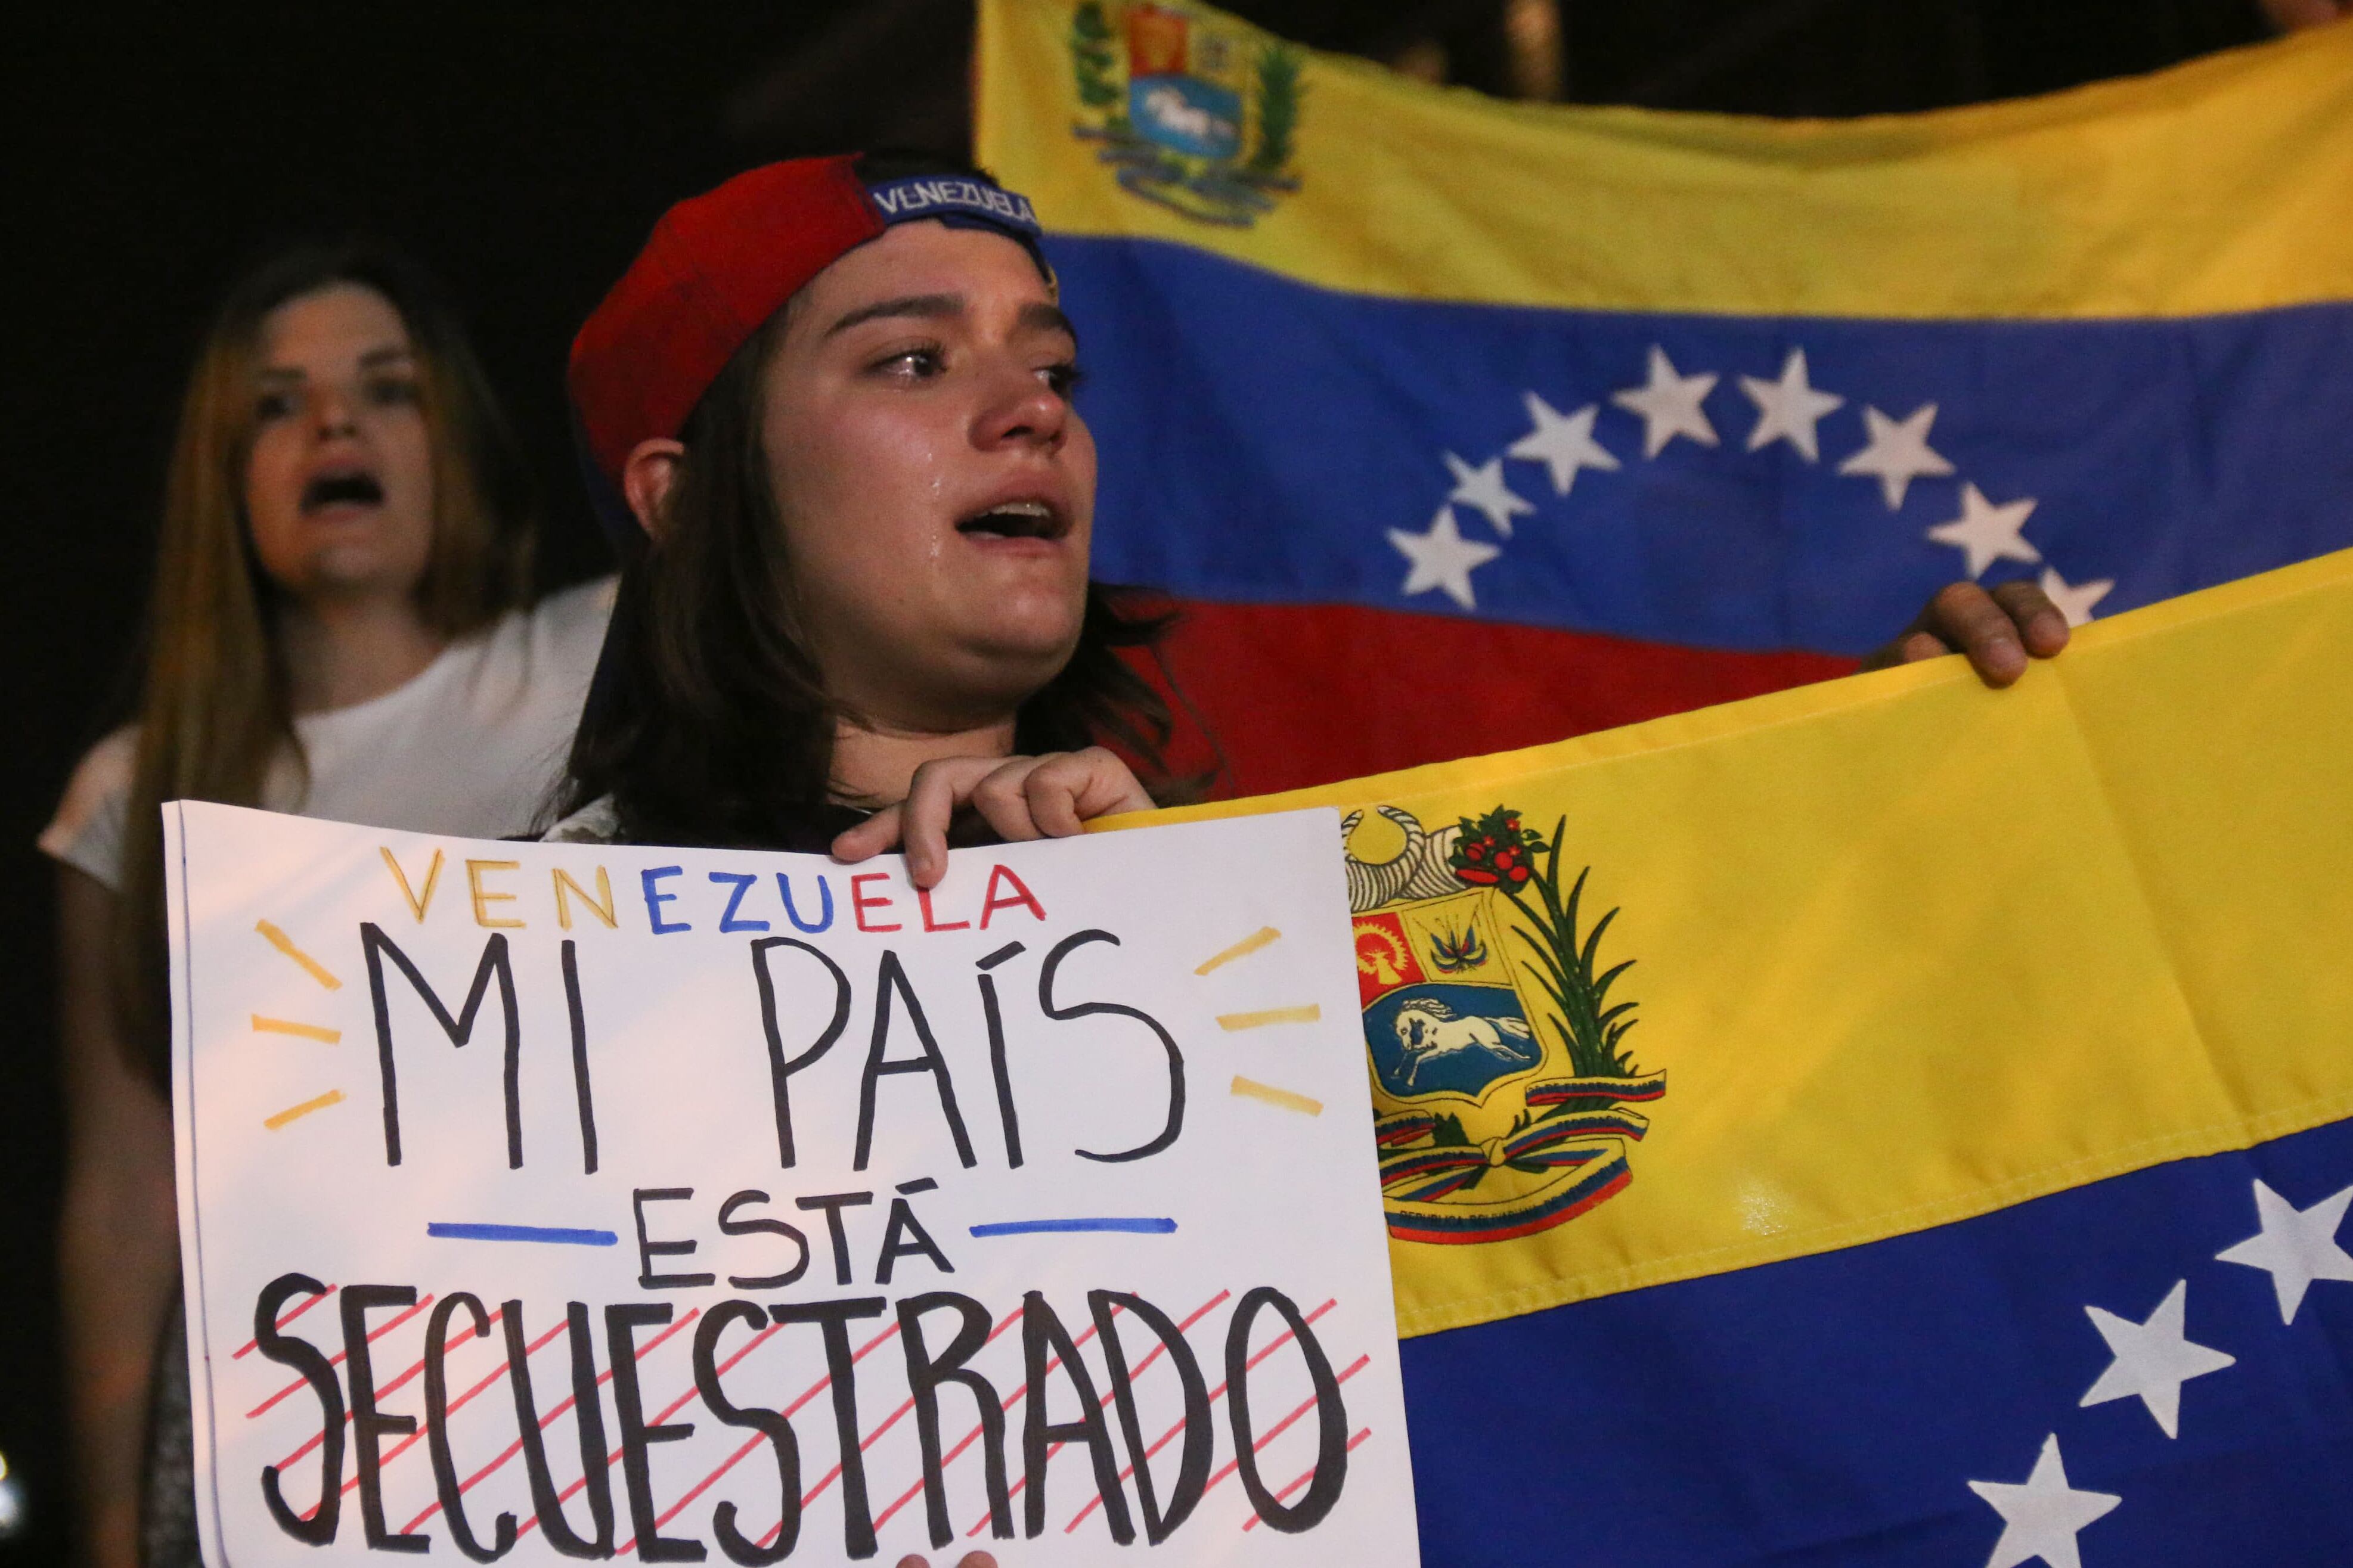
(1145, 1227)
(550, 1233)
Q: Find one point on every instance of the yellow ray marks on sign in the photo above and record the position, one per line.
(1282, 1099)
(417, 903)
(285, 944)
(1230, 1022)
(287, 1026)
(1242, 949)
(296, 1113)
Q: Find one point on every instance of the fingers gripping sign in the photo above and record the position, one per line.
(1021, 798)
(1998, 630)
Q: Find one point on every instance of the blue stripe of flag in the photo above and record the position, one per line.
(1262, 437)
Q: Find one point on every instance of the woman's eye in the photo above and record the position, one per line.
(272, 406)
(914, 364)
(392, 392)
(1063, 379)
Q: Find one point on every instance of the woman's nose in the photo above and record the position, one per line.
(332, 413)
(1019, 408)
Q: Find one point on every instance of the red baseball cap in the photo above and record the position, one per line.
(719, 265)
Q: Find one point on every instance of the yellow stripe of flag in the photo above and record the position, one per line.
(2160, 196)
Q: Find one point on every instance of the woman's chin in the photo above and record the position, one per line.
(1006, 665)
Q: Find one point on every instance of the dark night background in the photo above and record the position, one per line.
(522, 151)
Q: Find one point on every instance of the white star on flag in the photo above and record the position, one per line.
(1442, 558)
(1788, 408)
(2153, 1359)
(1563, 443)
(1484, 488)
(2295, 1245)
(2074, 603)
(2041, 1518)
(1986, 534)
(1669, 404)
(1897, 452)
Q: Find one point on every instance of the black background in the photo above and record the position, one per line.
(522, 151)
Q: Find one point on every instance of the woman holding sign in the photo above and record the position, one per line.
(341, 626)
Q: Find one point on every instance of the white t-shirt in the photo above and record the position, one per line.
(470, 746)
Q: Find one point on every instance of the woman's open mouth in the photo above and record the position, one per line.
(353, 487)
(1016, 519)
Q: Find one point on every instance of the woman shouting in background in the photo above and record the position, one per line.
(341, 626)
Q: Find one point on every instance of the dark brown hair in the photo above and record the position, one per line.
(214, 711)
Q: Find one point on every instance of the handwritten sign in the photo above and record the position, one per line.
(582, 1201)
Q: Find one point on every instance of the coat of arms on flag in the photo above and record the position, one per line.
(1203, 122)
(1501, 1079)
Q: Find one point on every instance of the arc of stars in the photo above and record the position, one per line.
(1670, 403)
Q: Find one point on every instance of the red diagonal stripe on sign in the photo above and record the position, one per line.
(337, 1359)
(1280, 1427)
(283, 1319)
(946, 1460)
(1014, 1489)
(1272, 1346)
(452, 1342)
(495, 1374)
(568, 1493)
(544, 1421)
(737, 1458)
(1308, 1475)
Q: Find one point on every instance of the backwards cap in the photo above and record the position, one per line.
(715, 268)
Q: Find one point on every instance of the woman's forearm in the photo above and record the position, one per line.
(118, 1252)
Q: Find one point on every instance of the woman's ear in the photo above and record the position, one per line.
(646, 479)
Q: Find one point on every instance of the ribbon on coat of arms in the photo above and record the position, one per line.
(1502, 1088)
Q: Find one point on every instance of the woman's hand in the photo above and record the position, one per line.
(1022, 797)
(970, 1560)
(1998, 630)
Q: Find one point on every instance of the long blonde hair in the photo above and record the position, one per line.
(214, 711)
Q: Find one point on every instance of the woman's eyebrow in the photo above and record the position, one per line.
(928, 306)
(1049, 318)
(375, 358)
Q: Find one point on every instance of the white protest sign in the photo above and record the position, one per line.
(562, 1201)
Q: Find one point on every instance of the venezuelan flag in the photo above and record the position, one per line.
(1458, 425)
(1885, 1121)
